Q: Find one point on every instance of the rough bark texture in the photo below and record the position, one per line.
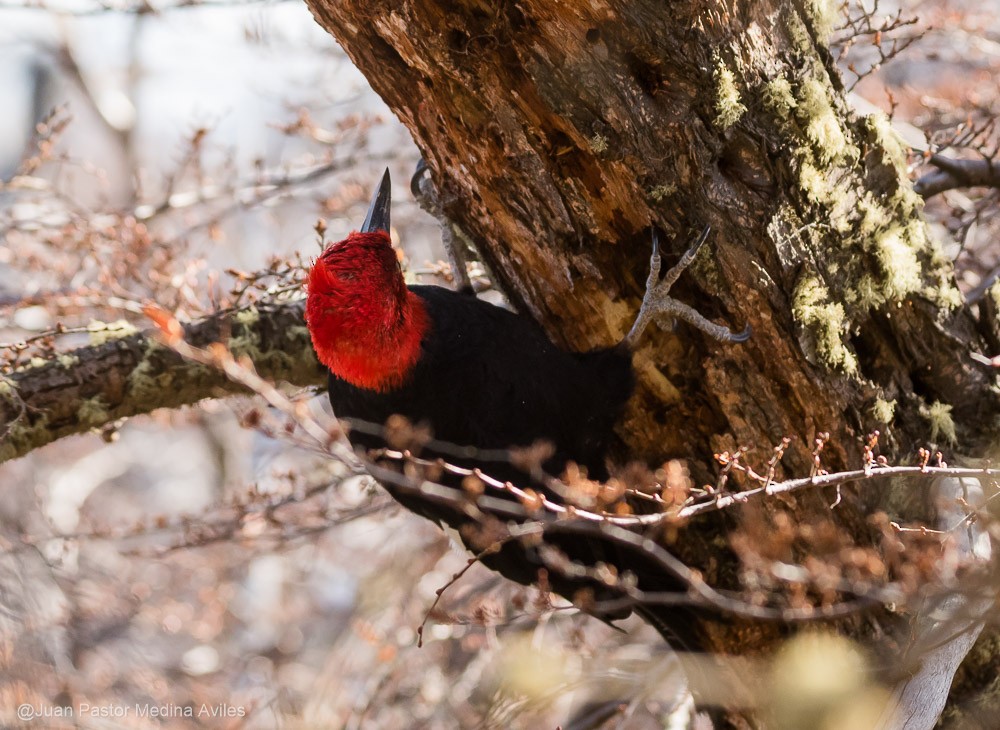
(116, 377)
(558, 133)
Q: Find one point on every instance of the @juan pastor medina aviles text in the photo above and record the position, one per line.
(28, 712)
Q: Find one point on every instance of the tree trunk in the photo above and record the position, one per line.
(559, 133)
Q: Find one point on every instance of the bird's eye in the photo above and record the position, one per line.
(348, 276)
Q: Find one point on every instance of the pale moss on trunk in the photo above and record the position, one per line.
(728, 106)
(883, 411)
(248, 317)
(879, 250)
(598, 144)
(246, 342)
(778, 97)
(898, 259)
(825, 324)
(994, 294)
(939, 417)
(661, 192)
(875, 238)
(822, 127)
(824, 15)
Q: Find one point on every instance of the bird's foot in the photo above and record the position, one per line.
(427, 198)
(423, 188)
(656, 304)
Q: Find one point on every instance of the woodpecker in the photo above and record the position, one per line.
(477, 375)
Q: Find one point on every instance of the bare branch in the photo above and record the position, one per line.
(824, 480)
(867, 39)
(951, 174)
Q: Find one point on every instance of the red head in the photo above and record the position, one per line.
(366, 326)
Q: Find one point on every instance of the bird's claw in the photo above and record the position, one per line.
(656, 304)
(742, 336)
(416, 180)
(426, 195)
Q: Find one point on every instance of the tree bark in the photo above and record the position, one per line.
(124, 373)
(558, 133)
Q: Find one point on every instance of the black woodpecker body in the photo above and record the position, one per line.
(477, 375)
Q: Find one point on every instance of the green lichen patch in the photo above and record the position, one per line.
(598, 143)
(868, 293)
(814, 184)
(822, 127)
(23, 435)
(938, 258)
(799, 35)
(825, 321)
(898, 260)
(67, 360)
(248, 317)
(101, 332)
(883, 411)
(906, 200)
(906, 261)
(916, 234)
(901, 200)
(246, 342)
(778, 97)
(728, 106)
(143, 385)
(875, 248)
(873, 217)
(888, 139)
(938, 414)
(93, 412)
(946, 295)
(994, 294)
(660, 192)
(824, 15)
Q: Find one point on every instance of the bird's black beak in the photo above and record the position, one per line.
(378, 210)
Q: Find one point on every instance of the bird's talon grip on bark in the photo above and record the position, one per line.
(744, 335)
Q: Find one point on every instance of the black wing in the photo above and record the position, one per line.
(491, 379)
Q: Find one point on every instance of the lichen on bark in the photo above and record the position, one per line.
(125, 372)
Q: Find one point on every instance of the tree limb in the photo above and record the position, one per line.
(120, 376)
(951, 174)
